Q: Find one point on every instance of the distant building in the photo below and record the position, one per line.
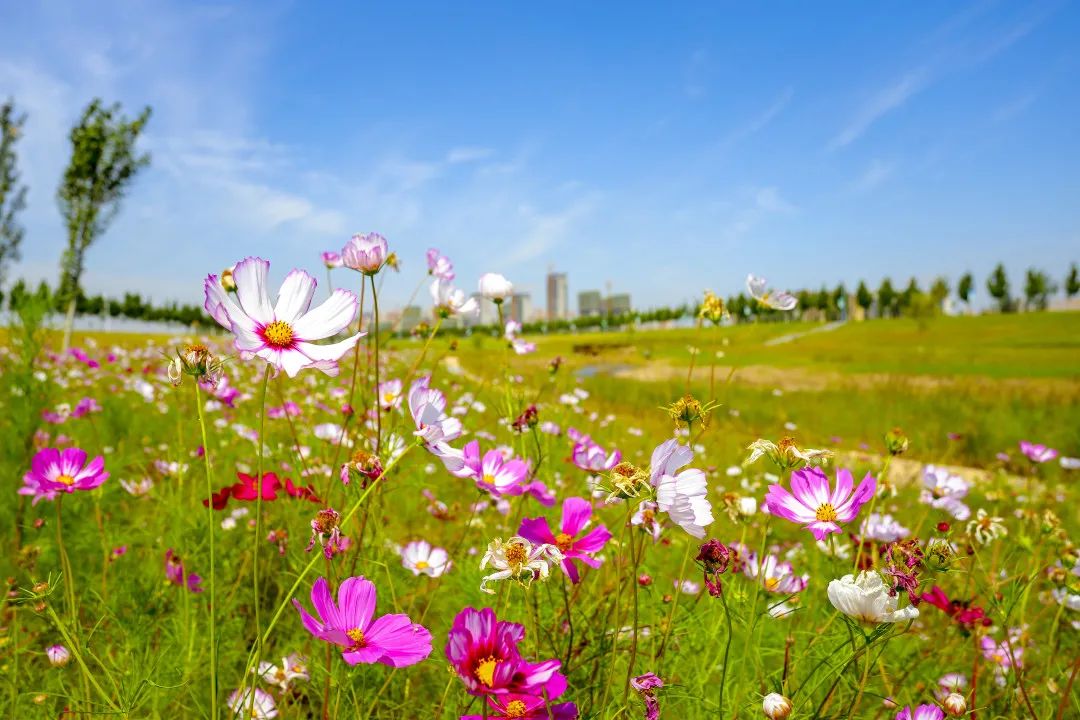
(410, 317)
(488, 314)
(558, 303)
(590, 303)
(618, 304)
(520, 307)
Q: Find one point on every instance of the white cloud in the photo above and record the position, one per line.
(875, 174)
(884, 101)
(467, 154)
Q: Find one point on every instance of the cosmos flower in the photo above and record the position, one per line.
(759, 289)
(785, 454)
(439, 265)
(945, 490)
(518, 559)
(428, 408)
(962, 612)
(293, 667)
(492, 471)
(495, 287)
(331, 259)
(646, 686)
(390, 394)
(422, 559)
(514, 705)
(520, 346)
(590, 457)
(682, 495)
(246, 489)
(282, 334)
(775, 575)
(450, 301)
(986, 528)
(54, 471)
(867, 599)
(177, 575)
(645, 517)
(484, 652)
(137, 488)
(1037, 453)
(392, 640)
(365, 252)
(812, 504)
(58, 655)
(923, 712)
(576, 513)
(882, 528)
(257, 706)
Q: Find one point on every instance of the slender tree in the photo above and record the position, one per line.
(1037, 289)
(104, 161)
(939, 290)
(864, 297)
(886, 297)
(12, 194)
(965, 287)
(998, 287)
(1072, 282)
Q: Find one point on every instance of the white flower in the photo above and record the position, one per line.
(259, 706)
(986, 528)
(423, 559)
(495, 287)
(747, 506)
(428, 408)
(293, 667)
(944, 490)
(519, 559)
(365, 252)
(786, 454)
(138, 488)
(867, 599)
(776, 706)
(759, 289)
(1066, 598)
(682, 495)
(883, 528)
(449, 300)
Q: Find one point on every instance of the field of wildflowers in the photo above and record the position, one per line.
(303, 518)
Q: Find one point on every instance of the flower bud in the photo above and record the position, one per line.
(228, 283)
(776, 706)
(955, 705)
(896, 441)
(58, 655)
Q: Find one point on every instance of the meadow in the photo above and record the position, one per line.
(641, 561)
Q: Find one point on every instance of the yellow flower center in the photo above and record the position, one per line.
(563, 542)
(65, 479)
(488, 479)
(387, 398)
(485, 670)
(826, 513)
(422, 565)
(278, 334)
(771, 583)
(516, 554)
(279, 675)
(515, 709)
(357, 636)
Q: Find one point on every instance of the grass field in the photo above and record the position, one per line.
(963, 390)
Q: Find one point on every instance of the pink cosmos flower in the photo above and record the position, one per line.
(590, 457)
(492, 472)
(514, 705)
(811, 502)
(1037, 453)
(576, 513)
(177, 575)
(365, 253)
(428, 408)
(484, 652)
(774, 575)
(282, 334)
(54, 471)
(392, 640)
(923, 712)
(439, 265)
(58, 655)
(389, 393)
(331, 259)
(646, 686)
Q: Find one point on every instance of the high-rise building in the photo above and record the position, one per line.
(488, 314)
(558, 302)
(520, 307)
(590, 303)
(410, 317)
(618, 304)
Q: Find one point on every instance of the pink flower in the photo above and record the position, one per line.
(365, 253)
(513, 705)
(331, 259)
(177, 575)
(484, 652)
(590, 457)
(439, 266)
(576, 513)
(428, 408)
(646, 686)
(812, 504)
(282, 334)
(1037, 453)
(493, 472)
(392, 640)
(54, 471)
(923, 712)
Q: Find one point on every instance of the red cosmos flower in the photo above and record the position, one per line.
(961, 611)
(247, 490)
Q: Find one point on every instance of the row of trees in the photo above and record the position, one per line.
(104, 162)
(132, 305)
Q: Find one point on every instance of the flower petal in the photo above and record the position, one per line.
(294, 297)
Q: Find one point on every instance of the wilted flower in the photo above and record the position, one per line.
(896, 442)
(365, 252)
(529, 418)
(712, 309)
(392, 640)
(811, 502)
(785, 454)
(687, 410)
(364, 466)
(775, 299)
(867, 599)
(713, 556)
(576, 513)
(986, 528)
(196, 361)
(518, 559)
(326, 532)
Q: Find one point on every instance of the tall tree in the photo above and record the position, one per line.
(104, 161)
(1072, 282)
(998, 287)
(886, 297)
(1037, 289)
(964, 288)
(12, 194)
(864, 297)
(939, 290)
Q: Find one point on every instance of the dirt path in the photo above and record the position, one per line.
(782, 339)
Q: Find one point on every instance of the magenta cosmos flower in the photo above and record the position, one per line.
(513, 705)
(365, 252)
(923, 712)
(282, 334)
(590, 457)
(576, 513)
(812, 504)
(491, 471)
(54, 471)
(484, 652)
(392, 640)
(1037, 453)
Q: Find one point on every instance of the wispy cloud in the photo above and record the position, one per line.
(885, 100)
(878, 172)
(467, 154)
(762, 119)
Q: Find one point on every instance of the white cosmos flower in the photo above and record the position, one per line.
(519, 559)
(944, 490)
(985, 527)
(261, 706)
(293, 667)
(428, 408)
(282, 334)
(138, 488)
(423, 559)
(495, 287)
(450, 300)
(682, 495)
(867, 599)
(759, 289)
(883, 528)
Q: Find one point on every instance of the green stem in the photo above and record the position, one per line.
(213, 567)
(256, 647)
(73, 645)
(378, 402)
(727, 649)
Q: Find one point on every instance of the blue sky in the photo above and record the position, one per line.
(664, 148)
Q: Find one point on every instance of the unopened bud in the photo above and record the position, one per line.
(227, 282)
(776, 706)
(896, 441)
(955, 704)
